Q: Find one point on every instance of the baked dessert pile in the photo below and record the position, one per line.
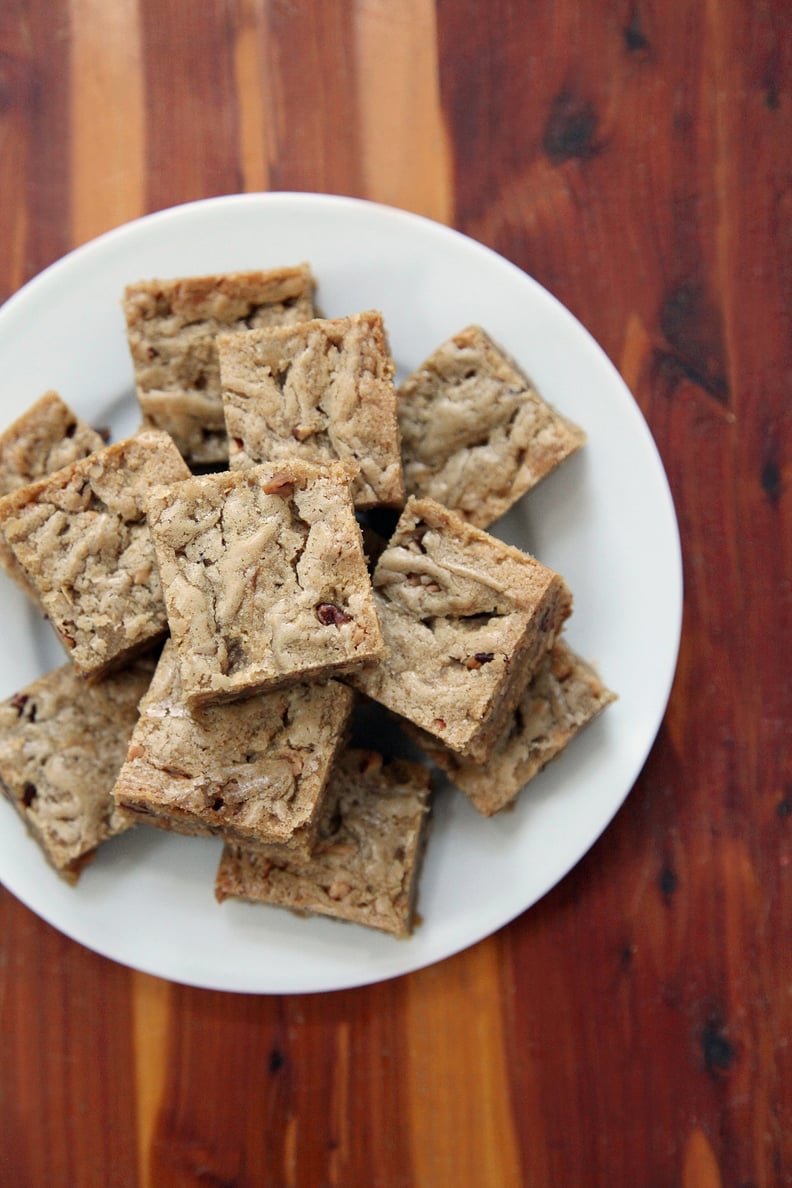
(287, 538)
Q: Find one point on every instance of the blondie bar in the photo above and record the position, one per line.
(253, 772)
(466, 621)
(264, 578)
(45, 438)
(82, 538)
(366, 861)
(322, 390)
(171, 329)
(564, 695)
(476, 435)
(62, 744)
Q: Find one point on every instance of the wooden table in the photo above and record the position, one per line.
(632, 1029)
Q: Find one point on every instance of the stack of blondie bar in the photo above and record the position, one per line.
(223, 618)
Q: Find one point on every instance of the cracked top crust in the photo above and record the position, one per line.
(366, 861)
(62, 744)
(565, 694)
(81, 536)
(466, 620)
(254, 771)
(264, 578)
(476, 435)
(321, 391)
(171, 330)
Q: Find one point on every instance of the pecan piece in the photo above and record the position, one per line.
(478, 659)
(329, 615)
(279, 484)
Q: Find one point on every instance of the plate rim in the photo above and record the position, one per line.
(15, 306)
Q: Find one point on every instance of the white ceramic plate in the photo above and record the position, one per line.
(605, 520)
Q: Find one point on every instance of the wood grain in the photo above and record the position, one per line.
(250, 85)
(311, 107)
(107, 135)
(35, 128)
(66, 1060)
(403, 142)
(191, 116)
(469, 1088)
(151, 1016)
(633, 1028)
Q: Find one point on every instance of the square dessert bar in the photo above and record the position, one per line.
(254, 771)
(564, 695)
(82, 538)
(171, 330)
(366, 861)
(45, 438)
(264, 578)
(476, 435)
(322, 391)
(466, 621)
(62, 744)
